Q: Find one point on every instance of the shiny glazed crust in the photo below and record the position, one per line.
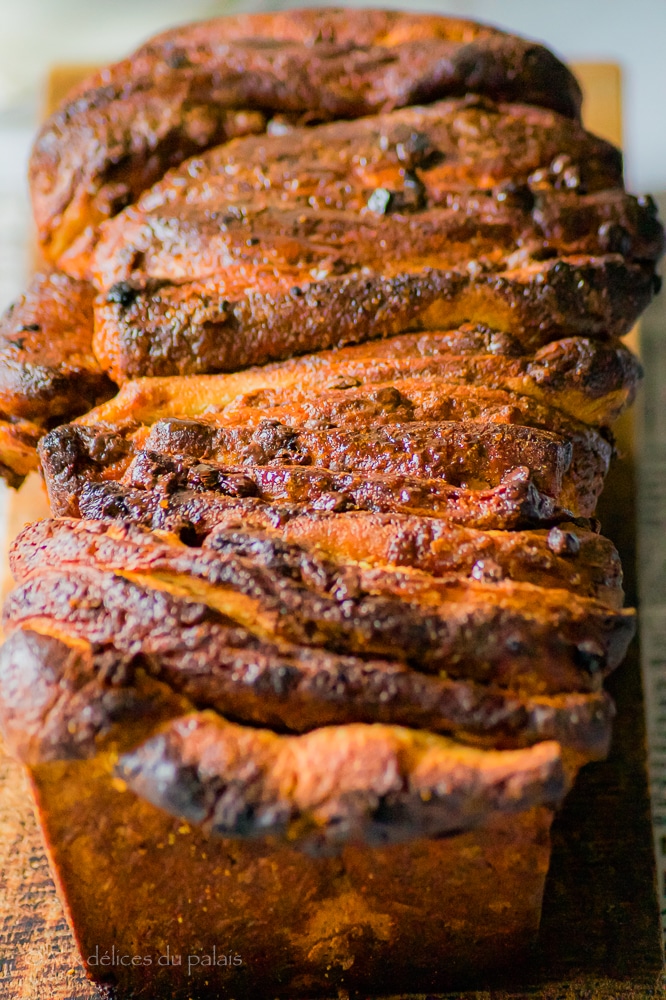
(446, 202)
(48, 372)
(187, 90)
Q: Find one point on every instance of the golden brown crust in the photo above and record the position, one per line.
(375, 404)
(47, 368)
(275, 424)
(365, 229)
(338, 785)
(193, 511)
(463, 636)
(298, 417)
(475, 455)
(460, 180)
(468, 454)
(48, 372)
(278, 427)
(138, 592)
(195, 327)
(564, 557)
(76, 460)
(122, 129)
(64, 699)
(589, 380)
(493, 156)
(346, 412)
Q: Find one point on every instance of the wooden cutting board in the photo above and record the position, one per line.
(600, 934)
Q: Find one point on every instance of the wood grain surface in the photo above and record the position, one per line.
(600, 936)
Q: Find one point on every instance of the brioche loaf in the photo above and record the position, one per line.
(313, 646)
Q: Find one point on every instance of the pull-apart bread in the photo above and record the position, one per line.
(321, 379)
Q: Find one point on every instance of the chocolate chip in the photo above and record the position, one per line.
(31, 327)
(107, 448)
(563, 543)
(123, 294)
(615, 239)
(413, 195)
(237, 485)
(589, 656)
(417, 150)
(204, 475)
(177, 59)
(388, 397)
(648, 202)
(516, 196)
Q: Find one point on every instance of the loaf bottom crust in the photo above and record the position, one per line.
(155, 905)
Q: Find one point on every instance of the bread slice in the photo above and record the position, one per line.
(459, 179)
(181, 93)
(418, 218)
(564, 557)
(138, 592)
(48, 372)
(162, 329)
(590, 380)
(336, 785)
